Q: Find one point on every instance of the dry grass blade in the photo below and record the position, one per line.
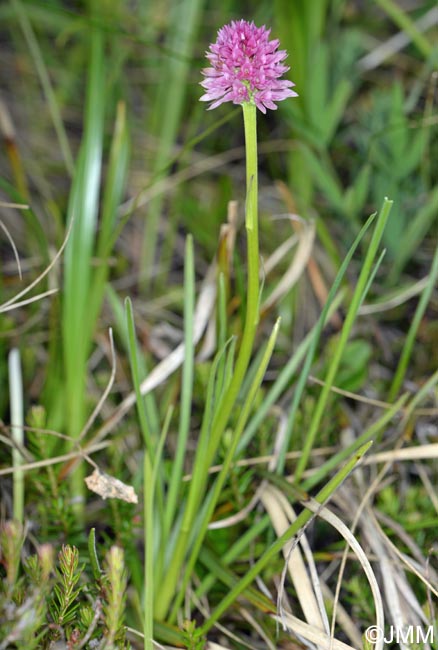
(68, 468)
(238, 516)
(282, 515)
(199, 167)
(13, 301)
(407, 561)
(55, 460)
(422, 452)
(258, 628)
(28, 301)
(280, 252)
(401, 602)
(430, 489)
(343, 618)
(205, 611)
(18, 206)
(396, 301)
(411, 599)
(332, 519)
(306, 237)
(308, 632)
(409, 410)
(316, 584)
(316, 277)
(400, 599)
(268, 459)
(392, 594)
(106, 392)
(14, 248)
(227, 241)
(406, 540)
(396, 42)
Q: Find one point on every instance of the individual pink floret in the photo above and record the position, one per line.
(246, 67)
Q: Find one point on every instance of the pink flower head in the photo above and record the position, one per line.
(246, 67)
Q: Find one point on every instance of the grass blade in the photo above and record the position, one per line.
(83, 207)
(313, 342)
(133, 359)
(369, 434)
(410, 338)
(112, 197)
(356, 301)
(174, 492)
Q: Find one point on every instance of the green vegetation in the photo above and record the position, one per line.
(218, 415)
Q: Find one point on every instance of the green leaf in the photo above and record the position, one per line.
(94, 560)
(335, 110)
(356, 194)
(324, 177)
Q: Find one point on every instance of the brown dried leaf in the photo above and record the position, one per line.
(109, 487)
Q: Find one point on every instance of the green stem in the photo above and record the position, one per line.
(200, 475)
(252, 304)
(148, 514)
(251, 215)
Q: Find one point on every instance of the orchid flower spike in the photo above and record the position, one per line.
(246, 67)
